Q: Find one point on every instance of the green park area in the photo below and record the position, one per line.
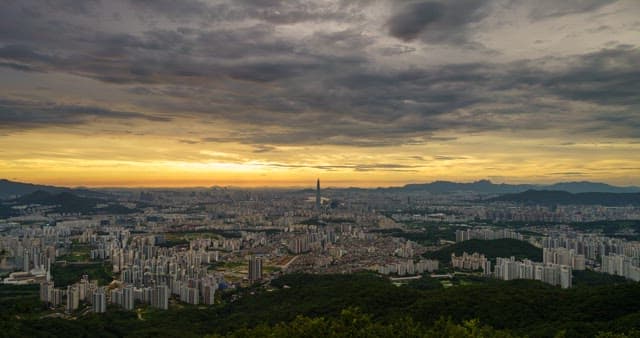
(77, 253)
(20, 301)
(490, 248)
(64, 274)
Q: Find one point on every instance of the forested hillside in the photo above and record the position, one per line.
(518, 308)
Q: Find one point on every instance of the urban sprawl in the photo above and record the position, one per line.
(186, 246)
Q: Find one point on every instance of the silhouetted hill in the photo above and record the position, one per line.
(550, 197)
(482, 186)
(9, 189)
(580, 187)
(67, 202)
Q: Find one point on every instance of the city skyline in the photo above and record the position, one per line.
(278, 93)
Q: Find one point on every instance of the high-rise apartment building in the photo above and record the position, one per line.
(99, 300)
(255, 269)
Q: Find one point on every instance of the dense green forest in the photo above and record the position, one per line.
(517, 307)
(491, 249)
(69, 273)
(354, 323)
(592, 278)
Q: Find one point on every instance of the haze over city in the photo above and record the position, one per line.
(360, 93)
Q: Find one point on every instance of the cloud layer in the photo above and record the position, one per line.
(355, 74)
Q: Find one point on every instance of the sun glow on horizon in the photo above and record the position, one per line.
(67, 159)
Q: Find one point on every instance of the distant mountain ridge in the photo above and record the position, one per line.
(488, 187)
(64, 202)
(11, 189)
(46, 198)
(482, 186)
(580, 187)
(553, 197)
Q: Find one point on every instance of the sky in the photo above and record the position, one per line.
(359, 93)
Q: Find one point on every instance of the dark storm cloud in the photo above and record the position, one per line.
(164, 56)
(42, 22)
(449, 21)
(436, 21)
(18, 115)
(360, 107)
(610, 76)
(414, 18)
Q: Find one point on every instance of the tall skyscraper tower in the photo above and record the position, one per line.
(318, 201)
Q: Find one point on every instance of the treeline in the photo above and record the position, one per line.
(64, 274)
(353, 323)
(593, 278)
(490, 248)
(515, 308)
